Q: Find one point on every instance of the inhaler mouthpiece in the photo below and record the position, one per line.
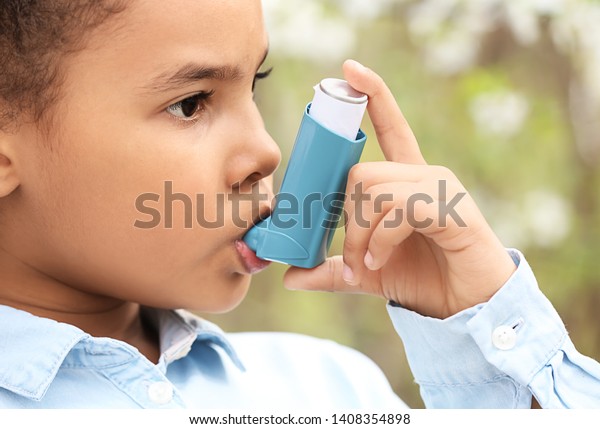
(339, 107)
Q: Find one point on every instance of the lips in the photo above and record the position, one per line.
(252, 263)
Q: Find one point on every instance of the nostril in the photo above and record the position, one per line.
(254, 177)
(250, 184)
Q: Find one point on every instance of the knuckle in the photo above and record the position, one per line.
(357, 174)
(443, 172)
(454, 188)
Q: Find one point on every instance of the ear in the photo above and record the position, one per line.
(9, 180)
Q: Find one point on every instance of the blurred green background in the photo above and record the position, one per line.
(505, 93)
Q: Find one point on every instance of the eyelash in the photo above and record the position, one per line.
(261, 76)
(201, 100)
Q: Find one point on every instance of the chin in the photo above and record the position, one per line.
(226, 295)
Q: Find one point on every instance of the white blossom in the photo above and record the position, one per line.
(302, 29)
(500, 113)
(548, 216)
(542, 218)
(364, 10)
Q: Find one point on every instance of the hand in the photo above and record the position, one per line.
(413, 234)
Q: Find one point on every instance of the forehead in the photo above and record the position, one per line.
(154, 34)
(214, 23)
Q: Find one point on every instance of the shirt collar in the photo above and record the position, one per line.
(32, 349)
(179, 330)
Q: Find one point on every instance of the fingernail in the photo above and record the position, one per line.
(369, 261)
(347, 274)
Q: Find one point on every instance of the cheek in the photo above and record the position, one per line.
(92, 185)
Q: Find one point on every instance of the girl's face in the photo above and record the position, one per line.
(160, 103)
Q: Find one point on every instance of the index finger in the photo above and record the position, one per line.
(395, 137)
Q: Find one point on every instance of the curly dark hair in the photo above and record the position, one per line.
(35, 36)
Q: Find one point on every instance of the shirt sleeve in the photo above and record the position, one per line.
(497, 354)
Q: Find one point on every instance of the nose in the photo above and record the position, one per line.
(255, 156)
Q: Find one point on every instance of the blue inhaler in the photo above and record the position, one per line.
(310, 202)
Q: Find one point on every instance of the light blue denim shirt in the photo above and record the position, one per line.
(45, 364)
(492, 355)
(495, 355)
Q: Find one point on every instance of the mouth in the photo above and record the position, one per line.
(252, 263)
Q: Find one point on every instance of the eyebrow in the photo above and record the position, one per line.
(194, 72)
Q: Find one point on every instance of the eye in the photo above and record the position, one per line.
(260, 76)
(188, 108)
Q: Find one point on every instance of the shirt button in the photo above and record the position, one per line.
(504, 337)
(160, 392)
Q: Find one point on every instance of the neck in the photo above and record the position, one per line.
(27, 289)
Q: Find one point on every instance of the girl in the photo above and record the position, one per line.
(103, 101)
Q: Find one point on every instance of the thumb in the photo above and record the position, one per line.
(326, 277)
